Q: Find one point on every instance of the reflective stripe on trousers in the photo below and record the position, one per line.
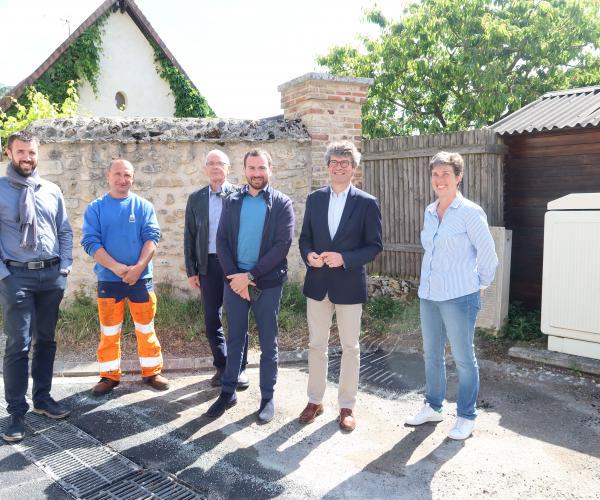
(111, 314)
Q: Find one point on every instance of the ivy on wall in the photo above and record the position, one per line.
(80, 61)
(189, 103)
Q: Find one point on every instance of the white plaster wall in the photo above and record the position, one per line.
(126, 65)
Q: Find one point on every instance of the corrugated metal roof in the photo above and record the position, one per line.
(555, 110)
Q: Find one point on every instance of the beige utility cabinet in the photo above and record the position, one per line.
(571, 276)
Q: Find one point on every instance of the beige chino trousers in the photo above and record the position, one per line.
(319, 314)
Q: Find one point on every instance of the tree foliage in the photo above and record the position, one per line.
(450, 65)
(39, 107)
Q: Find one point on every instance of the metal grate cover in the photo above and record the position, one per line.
(78, 462)
(87, 469)
(147, 484)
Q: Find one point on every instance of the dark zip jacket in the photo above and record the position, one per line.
(195, 235)
(271, 268)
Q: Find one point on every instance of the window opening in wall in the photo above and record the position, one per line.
(121, 101)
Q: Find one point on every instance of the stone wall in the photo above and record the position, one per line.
(168, 155)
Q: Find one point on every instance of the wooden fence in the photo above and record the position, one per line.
(396, 171)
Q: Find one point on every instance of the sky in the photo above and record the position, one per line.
(236, 51)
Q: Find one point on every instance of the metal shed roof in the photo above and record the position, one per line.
(555, 110)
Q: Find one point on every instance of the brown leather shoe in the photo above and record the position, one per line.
(347, 420)
(311, 412)
(157, 382)
(104, 386)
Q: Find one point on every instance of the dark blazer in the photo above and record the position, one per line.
(195, 233)
(358, 239)
(271, 268)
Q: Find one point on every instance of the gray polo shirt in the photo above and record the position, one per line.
(55, 236)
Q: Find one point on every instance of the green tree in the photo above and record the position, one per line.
(39, 107)
(456, 64)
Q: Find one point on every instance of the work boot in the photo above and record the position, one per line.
(104, 386)
(157, 382)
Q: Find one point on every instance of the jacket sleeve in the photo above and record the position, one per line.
(284, 232)
(305, 241)
(372, 240)
(189, 240)
(224, 245)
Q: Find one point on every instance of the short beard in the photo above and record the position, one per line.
(21, 172)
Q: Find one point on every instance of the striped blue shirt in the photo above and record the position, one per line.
(460, 257)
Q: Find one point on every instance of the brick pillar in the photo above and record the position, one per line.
(330, 108)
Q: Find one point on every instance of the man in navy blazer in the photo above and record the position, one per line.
(341, 233)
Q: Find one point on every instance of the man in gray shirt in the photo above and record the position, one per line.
(36, 244)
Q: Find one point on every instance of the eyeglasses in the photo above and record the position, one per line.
(216, 164)
(341, 163)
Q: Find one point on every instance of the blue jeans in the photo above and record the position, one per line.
(30, 300)
(211, 288)
(266, 310)
(453, 319)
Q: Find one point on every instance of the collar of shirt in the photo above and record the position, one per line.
(343, 194)
(456, 203)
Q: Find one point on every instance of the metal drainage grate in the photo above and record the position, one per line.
(78, 462)
(147, 484)
(87, 469)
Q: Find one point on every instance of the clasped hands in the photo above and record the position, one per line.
(330, 259)
(129, 274)
(239, 283)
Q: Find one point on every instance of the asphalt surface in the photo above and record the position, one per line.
(537, 435)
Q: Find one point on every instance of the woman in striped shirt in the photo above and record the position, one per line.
(459, 261)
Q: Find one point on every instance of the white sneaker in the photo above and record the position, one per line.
(425, 414)
(462, 429)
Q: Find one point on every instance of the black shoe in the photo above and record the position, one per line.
(225, 401)
(266, 412)
(215, 380)
(15, 430)
(51, 409)
(243, 381)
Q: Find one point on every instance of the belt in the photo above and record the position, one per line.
(213, 255)
(36, 264)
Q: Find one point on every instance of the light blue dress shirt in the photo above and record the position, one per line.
(460, 257)
(55, 236)
(337, 202)
(215, 207)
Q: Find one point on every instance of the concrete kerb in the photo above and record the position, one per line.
(560, 359)
(77, 369)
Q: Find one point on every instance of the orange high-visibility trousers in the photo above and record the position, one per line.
(111, 312)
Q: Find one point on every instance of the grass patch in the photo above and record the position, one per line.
(386, 315)
(522, 324)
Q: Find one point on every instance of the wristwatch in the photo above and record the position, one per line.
(250, 276)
